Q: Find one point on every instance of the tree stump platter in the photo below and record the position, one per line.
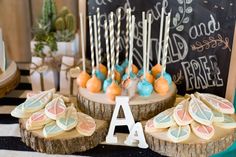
(193, 147)
(9, 79)
(143, 108)
(67, 143)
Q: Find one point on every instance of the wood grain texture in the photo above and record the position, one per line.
(98, 106)
(66, 143)
(9, 82)
(15, 23)
(231, 84)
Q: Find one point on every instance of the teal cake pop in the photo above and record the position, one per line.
(145, 88)
(100, 75)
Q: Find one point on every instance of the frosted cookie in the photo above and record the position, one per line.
(30, 127)
(149, 127)
(181, 114)
(64, 98)
(218, 116)
(55, 109)
(199, 111)
(164, 119)
(38, 101)
(51, 130)
(30, 94)
(205, 132)
(38, 119)
(179, 133)
(86, 124)
(228, 123)
(69, 120)
(217, 103)
(19, 113)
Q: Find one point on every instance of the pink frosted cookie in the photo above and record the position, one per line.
(55, 109)
(199, 111)
(205, 132)
(86, 124)
(149, 127)
(181, 114)
(218, 103)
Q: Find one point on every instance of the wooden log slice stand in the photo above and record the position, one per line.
(66, 143)
(143, 108)
(193, 147)
(9, 79)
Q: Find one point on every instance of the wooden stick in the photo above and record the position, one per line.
(82, 40)
(96, 39)
(161, 32)
(91, 44)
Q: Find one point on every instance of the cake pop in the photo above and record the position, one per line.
(94, 84)
(83, 76)
(161, 85)
(108, 81)
(114, 89)
(101, 67)
(98, 72)
(157, 68)
(166, 76)
(145, 88)
(130, 84)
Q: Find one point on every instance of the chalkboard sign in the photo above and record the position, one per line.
(200, 44)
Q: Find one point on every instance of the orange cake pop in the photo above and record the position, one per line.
(103, 69)
(82, 79)
(156, 70)
(117, 76)
(134, 69)
(83, 76)
(94, 85)
(113, 90)
(161, 86)
(149, 77)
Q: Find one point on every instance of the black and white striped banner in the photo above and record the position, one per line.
(10, 140)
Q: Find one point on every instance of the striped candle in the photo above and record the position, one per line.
(91, 43)
(82, 40)
(165, 46)
(111, 26)
(107, 48)
(128, 13)
(161, 32)
(96, 39)
(149, 39)
(118, 36)
(131, 44)
(99, 36)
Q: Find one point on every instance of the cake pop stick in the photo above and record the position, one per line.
(164, 58)
(101, 67)
(99, 74)
(114, 89)
(161, 84)
(130, 84)
(144, 87)
(118, 68)
(94, 84)
(83, 76)
(157, 68)
(128, 23)
(148, 76)
(108, 81)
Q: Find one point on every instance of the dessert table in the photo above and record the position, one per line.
(11, 144)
